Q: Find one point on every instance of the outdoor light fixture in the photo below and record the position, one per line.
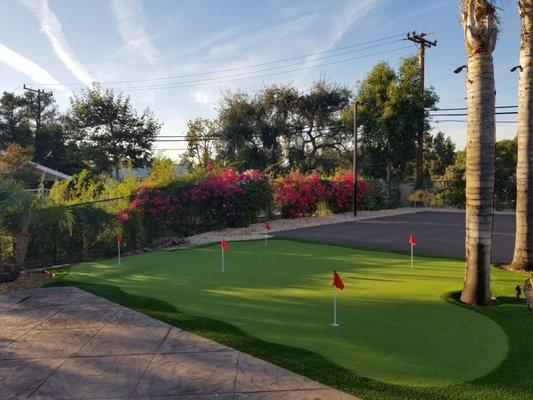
(459, 69)
(517, 67)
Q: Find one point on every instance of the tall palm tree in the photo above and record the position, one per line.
(480, 26)
(523, 251)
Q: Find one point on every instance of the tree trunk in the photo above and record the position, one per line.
(20, 249)
(480, 40)
(523, 252)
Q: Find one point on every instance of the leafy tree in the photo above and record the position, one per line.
(161, 173)
(200, 142)
(320, 138)
(14, 124)
(453, 179)
(41, 119)
(251, 129)
(110, 132)
(439, 154)
(15, 164)
(505, 175)
(280, 128)
(390, 107)
(52, 145)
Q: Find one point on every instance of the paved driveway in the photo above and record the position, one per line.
(64, 343)
(440, 233)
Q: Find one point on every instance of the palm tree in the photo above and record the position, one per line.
(523, 251)
(19, 211)
(479, 22)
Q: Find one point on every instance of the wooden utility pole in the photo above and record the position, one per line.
(38, 137)
(422, 42)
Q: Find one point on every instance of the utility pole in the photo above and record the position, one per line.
(38, 139)
(423, 43)
(354, 174)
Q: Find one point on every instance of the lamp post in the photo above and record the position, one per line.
(354, 174)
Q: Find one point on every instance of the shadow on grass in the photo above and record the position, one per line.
(311, 364)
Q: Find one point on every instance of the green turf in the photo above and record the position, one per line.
(395, 328)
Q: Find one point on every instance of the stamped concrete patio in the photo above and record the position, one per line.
(64, 343)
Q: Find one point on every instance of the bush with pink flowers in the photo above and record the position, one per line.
(218, 200)
(297, 195)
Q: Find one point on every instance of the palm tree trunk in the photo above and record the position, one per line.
(523, 252)
(480, 39)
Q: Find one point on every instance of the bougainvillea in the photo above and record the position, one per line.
(340, 192)
(298, 194)
(228, 198)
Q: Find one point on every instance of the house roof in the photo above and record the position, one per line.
(49, 173)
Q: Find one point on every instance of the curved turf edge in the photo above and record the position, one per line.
(499, 384)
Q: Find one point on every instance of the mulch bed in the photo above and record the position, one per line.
(26, 281)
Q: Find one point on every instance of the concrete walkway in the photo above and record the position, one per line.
(64, 343)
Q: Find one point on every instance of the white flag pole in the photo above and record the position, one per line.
(334, 307)
(222, 268)
(412, 259)
(266, 237)
(118, 248)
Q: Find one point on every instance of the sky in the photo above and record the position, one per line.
(178, 57)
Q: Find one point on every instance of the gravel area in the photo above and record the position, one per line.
(26, 281)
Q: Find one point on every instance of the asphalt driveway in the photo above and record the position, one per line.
(437, 233)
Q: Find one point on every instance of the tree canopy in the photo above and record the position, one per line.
(389, 110)
(100, 131)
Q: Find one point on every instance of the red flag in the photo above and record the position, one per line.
(119, 238)
(224, 245)
(268, 225)
(412, 240)
(337, 281)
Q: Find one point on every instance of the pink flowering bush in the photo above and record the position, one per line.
(298, 194)
(218, 200)
(340, 192)
(228, 198)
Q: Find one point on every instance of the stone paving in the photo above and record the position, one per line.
(64, 343)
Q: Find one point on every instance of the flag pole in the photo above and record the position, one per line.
(334, 307)
(222, 267)
(118, 248)
(412, 260)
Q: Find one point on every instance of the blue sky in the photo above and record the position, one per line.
(60, 45)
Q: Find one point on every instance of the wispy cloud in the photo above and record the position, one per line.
(26, 66)
(341, 22)
(132, 28)
(51, 27)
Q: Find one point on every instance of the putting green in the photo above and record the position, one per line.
(394, 326)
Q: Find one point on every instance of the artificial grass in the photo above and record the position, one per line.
(395, 328)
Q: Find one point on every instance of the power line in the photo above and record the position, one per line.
(466, 108)
(464, 120)
(246, 66)
(464, 114)
(203, 82)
